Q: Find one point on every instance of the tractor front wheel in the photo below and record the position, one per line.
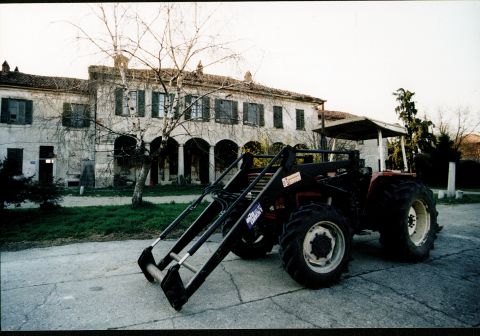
(315, 245)
(253, 243)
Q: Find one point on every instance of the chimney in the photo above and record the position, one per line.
(5, 68)
(199, 68)
(16, 69)
(248, 77)
(120, 61)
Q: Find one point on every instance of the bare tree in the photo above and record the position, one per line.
(167, 44)
(461, 123)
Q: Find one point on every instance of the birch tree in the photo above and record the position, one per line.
(168, 42)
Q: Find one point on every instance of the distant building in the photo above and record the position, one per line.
(470, 147)
(47, 124)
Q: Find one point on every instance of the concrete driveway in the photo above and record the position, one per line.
(99, 286)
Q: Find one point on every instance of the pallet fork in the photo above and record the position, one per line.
(225, 201)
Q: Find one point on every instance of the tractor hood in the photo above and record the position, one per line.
(360, 128)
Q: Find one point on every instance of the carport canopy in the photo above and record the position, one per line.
(361, 128)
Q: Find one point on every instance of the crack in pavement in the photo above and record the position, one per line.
(411, 297)
(69, 281)
(214, 309)
(293, 314)
(233, 281)
(38, 306)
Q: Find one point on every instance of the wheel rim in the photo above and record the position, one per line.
(418, 222)
(324, 247)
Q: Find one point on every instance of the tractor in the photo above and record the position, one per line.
(309, 202)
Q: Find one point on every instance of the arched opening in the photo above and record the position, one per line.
(305, 158)
(164, 169)
(124, 161)
(253, 147)
(196, 161)
(275, 148)
(226, 152)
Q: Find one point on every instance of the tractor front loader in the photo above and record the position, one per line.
(312, 210)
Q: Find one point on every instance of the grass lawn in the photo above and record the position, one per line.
(158, 190)
(96, 223)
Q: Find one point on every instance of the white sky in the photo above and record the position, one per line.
(353, 54)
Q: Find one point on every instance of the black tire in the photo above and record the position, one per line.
(253, 243)
(407, 220)
(322, 264)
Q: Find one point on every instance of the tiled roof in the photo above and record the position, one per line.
(193, 78)
(335, 115)
(20, 79)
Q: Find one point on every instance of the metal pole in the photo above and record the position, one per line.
(404, 155)
(380, 150)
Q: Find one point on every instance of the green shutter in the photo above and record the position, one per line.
(206, 108)
(118, 101)
(261, 115)
(217, 109)
(188, 111)
(86, 118)
(141, 103)
(28, 112)
(67, 115)
(300, 119)
(155, 104)
(234, 112)
(245, 112)
(277, 117)
(5, 118)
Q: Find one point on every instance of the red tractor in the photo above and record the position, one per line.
(311, 209)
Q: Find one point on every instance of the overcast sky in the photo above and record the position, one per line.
(353, 54)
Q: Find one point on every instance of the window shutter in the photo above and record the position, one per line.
(118, 101)
(86, 118)
(67, 115)
(300, 120)
(141, 103)
(155, 104)
(206, 108)
(277, 117)
(28, 112)
(217, 109)
(188, 111)
(234, 112)
(245, 112)
(5, 118)
(261, 115)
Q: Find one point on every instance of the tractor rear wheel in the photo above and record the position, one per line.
(253, 243)
(407, 220)
(315, 245)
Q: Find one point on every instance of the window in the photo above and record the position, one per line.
(160, 102)
(277, 117)
(75, 115)
(300, 114)
(16, 111)
(15, 160)
(199, 109)
(226, 111)
(253, 114)
(130, 103)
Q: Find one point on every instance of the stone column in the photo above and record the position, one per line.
(181, 169)
(211, 164)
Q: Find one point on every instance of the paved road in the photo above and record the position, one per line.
(98, 286)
